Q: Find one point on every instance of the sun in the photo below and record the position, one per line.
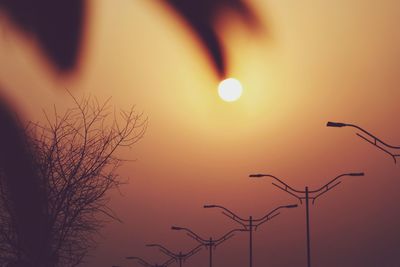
(230, 89)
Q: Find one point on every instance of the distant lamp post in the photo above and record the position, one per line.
(146, 264)
(370, 138)
(305, 195)
(178, 257)
(249, 225)
(210, 243)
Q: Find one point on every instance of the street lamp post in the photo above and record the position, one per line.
(179, 257)
(209, 243)
(305, 195)
(367, 137)
(146, 264)
(249, 225)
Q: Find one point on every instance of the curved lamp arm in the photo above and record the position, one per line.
(281, 185)
(340, 124)
(192, 252)
(229, 214)
(191, 234)
(335, 179)
(285, 185)
(227, 236)
(376, 141)
(320, 191)
(331, 184)
(271, 214)
(233, 215)
(164, 250)
(265, 220)
(168, 262)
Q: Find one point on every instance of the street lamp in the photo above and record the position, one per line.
(250, 224)
(179, 257)
(375, 140)
(210, 243)
(305, 195)
(146, 264)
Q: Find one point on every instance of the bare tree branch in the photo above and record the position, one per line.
(75, 155)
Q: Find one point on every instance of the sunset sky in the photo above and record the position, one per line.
(310, 62)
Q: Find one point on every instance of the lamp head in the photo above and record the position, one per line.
(335, 124)
(209, 206)
(357, 174)
(176, 228)
(291, 206)
(257, 175)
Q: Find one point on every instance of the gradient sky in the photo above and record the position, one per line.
(317, 61)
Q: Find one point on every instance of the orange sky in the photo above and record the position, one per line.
(318, 61)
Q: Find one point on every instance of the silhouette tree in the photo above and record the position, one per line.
(74, 158)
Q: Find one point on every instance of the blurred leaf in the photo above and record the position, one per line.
(201, 16)
(57, 25)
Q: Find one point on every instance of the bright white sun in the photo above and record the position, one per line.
(230, 90)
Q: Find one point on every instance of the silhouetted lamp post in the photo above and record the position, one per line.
(249, 225)
(305, 195)
(375, 140)
(146, 264)
(210, 243)
(179, 257)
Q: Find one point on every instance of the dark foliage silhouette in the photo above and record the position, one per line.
(201, 17)
(76, 165)
(57, 26)
(22, 200)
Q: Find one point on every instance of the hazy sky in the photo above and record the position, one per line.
(316, 61)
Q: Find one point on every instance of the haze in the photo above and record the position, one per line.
(315, 61)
